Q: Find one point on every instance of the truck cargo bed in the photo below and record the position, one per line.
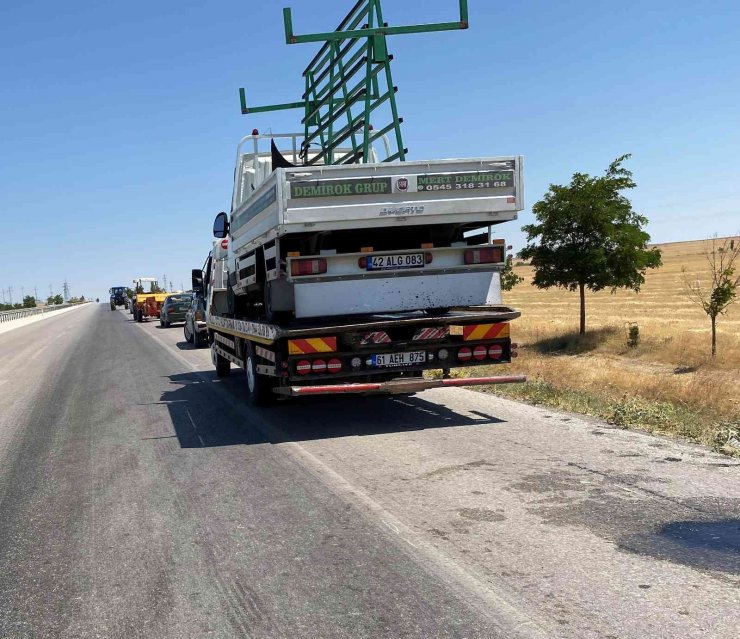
(326, 198)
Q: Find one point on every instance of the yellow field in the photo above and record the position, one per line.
(672, 362)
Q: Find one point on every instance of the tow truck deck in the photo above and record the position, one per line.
(380, 354)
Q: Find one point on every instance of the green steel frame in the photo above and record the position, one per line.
(335, 85)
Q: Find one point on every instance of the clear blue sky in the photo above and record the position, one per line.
(119, 120)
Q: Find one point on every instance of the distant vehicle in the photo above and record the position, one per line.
(196, 328)
(117, 297)
(138, 304)
(173, 309)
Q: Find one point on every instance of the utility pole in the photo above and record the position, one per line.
(10, 292)
(36, 294)
(23, 294)
(65, 288)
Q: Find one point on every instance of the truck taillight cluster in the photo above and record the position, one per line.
(319, 366)
(489, 255)
(479, 353)
(307, 267)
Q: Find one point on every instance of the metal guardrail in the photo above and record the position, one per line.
(20, 313)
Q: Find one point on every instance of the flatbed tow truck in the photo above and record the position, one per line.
(341, 270)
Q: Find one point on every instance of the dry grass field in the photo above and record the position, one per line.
(667, 383)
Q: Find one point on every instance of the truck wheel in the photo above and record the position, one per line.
(112, 306)
(197, 339)
(188, 336)
(259, 387)
(223, 365)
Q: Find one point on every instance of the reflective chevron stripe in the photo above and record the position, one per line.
(312, 345)
(486, 331)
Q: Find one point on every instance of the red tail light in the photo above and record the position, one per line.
(303, 367)
(480, 352)
(335, 365)
(484, 256)
(307, 267)
(319, 366)
(464, 354)
(495, 351)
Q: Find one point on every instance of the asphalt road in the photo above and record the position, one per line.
(141, 497)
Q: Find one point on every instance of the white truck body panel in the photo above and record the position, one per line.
(279, 205)
(396, 294)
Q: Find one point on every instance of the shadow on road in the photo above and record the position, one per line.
(201, 418)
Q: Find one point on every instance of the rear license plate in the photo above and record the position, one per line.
(386, 360)
(388, 262)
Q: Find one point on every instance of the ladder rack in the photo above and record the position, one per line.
(348, 83)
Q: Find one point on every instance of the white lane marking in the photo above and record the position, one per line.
(505, 609)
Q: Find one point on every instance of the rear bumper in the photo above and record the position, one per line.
(396, 387)
(396, 293)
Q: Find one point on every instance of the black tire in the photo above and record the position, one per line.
(198, 340)
(188, 336)
(223, 365)
(112, 306)
(161, 322)
(259, 387)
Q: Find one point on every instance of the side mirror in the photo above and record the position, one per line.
(197, 279)
(221, 225)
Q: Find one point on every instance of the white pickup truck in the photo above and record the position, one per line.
(328, 241)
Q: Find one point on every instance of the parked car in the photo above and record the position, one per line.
(174, 308)
(196, 331)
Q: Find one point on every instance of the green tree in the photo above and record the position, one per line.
(57, 299)
(509, 279)
(29, 301)
(588, 237)
(720, 292)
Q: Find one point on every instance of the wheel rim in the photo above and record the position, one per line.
(251, 381)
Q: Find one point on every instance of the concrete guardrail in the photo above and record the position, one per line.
(20, 313)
